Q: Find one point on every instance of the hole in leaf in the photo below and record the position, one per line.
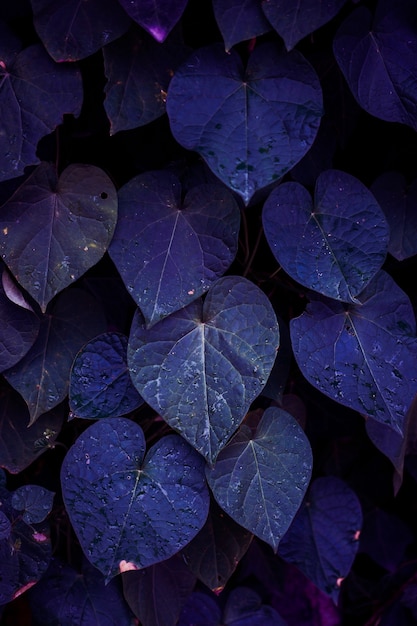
(104, 195)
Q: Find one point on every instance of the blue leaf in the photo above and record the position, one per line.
(169, 252)
(202, 366)
(362, 355)
(129, 510)
(33, 502)
(323, 539)
(100, 384)
(250, 124)
(260, 479)
(334, 246)
(5, 526)
(239, 20)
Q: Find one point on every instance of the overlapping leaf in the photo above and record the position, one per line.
(239, 20)
(334, 246)
(127, 509)
(378, 59)
(362, 355)
(63, 26)
(260, 479)
(157, 18)
(250, 124)
(202, 366)
(53, 230)
(169, 251)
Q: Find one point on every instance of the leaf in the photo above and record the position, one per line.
(363, 356)
(169, 251)
(53, 230)
(138, 71)
(398, 201)
(157, 18)
(35, 94)
(142, 591)
(250, 125)
(201, 609)
(126, 507)
(294, 20)
(216, 550)
(322, 540)
(259, 479)
(378, 59)
(239, 21)
(63, 26)
(202, 366)
(42, 376)
(69, 597)
(33, 502)
(100, 384)
(335, 246)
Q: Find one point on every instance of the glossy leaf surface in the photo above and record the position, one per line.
(169, 251)
(251, 125)
(201, 367)
(100, 384)
(334, 245)
(157, 18)
(239, 20)
(53, 230)
(127, 508)
(323, 539)
(33, 502)
(362, 356)
(260, 479)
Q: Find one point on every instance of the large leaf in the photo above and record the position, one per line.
(378, 59)
(362, 355)
(42, 376)
(157, 18)
(63, 26)
(334, 246)
(168, 250)
(239, 20)
(323, 539)
(201, 367)
(35, 93)
(294, 19)
(129, 510)
(138, 71)
(260, 478)
(250, 124)
(53, 230)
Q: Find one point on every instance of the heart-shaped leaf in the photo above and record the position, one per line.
(334, 246)
(100, 384)
(33, 502)
(63, 25)
(169, 252)
(294, 19)
(378, 59)
(127, 508)
(260, 479)
(202, 366)
(157, 18)
(35, 94)
(322, 540)
(53, 230)
(42, 376)
(362, 355)
(239, 20)
(251, 124)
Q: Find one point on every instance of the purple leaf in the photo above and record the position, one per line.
(71, 30)
(202, 366)
(239, 20)
(33, 502)
(334, 246)
(379, 61)
(250, 124)
(168, 250)
(53, 230)
(157, 18)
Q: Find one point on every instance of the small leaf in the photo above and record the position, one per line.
(33, 502)
(202, 366)
(157, 18)
(251, 125)
(5, 526)
(128, 507)
(53, 230)
(323, 539)
(169, 252)
(239, 20)
(334, 246)
(260, 479)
